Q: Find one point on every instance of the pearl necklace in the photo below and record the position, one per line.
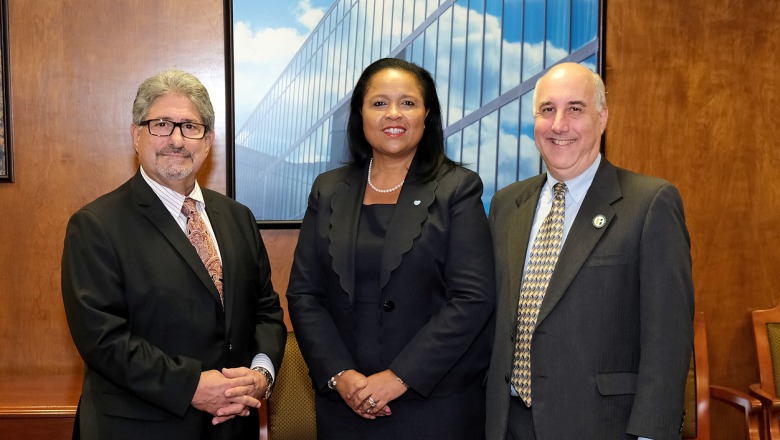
(370, 164)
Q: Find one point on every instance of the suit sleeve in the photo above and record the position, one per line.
(270, 330)
(470, 289)
(666, 317)
(92, 290)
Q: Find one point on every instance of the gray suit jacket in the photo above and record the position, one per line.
(614, 335)
(147, 319)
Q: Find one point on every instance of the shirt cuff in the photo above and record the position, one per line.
(262, 360)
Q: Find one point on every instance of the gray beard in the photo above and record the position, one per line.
(173, 172)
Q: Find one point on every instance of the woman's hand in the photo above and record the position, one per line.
(372, 398)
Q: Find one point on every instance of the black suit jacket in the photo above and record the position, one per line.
(147, 319)
(436, 281)
(614, 335)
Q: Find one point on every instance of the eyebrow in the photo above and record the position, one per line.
(166, 118)
(582, 103)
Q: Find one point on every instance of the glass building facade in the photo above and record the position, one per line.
(485, 55)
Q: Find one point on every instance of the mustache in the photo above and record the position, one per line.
(175, 150)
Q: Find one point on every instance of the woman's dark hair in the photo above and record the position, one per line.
(430, 157)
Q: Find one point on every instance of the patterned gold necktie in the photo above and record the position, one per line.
(541, 263)
(199, 236)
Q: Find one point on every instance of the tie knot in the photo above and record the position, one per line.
(188, 207)
(559, 189)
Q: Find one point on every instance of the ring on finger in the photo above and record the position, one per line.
(371, 402)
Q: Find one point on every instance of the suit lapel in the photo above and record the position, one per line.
(344, 217)
(158, 215)
(410, 213)
(226, 252)
(583, 236)
(520, 226)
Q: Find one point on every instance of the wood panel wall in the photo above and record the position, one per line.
(75, 67)
(691, 86)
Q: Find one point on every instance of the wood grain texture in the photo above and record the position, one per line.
(75, 67)
(692, 88)
(280, 244)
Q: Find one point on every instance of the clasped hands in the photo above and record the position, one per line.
(229, 393)
(369, 396)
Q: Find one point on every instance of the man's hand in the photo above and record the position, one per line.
(211, 396)
(255, 390)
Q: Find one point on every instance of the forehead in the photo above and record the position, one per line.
(174, 107)
(397, 80)
(566, 87)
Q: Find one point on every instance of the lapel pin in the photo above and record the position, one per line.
(416, 203)
(599, 221)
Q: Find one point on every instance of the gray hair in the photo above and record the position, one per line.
(173, 82)
(601, 92)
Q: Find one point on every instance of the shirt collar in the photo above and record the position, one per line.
(172, 200)
(577, 187)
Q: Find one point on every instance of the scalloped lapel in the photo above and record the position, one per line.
(344, 218)
(410, 213)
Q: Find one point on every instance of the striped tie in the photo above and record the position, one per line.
(541, 264)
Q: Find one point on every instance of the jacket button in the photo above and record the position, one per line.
(388, 306)
(506, 378)
(228, 345)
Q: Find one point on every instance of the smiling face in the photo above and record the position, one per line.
(172, 161)
(567, 125)
(394, 114)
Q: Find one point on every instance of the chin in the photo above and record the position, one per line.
(175, 172)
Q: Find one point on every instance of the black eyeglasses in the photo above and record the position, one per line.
(164, 127)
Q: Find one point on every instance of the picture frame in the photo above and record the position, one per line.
(485, 86)
(6, 144)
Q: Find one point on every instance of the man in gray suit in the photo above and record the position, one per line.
(607, 349)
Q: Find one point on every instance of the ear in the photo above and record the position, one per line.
(135, 134)
(603, 115)
(209, 138)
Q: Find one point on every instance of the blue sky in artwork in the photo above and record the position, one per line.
(266, 35)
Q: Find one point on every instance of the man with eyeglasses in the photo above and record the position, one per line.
(167, 288)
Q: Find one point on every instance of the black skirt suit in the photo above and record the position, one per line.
(433, 309)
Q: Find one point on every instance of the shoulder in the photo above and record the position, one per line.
(638, 186)
(458, 177)
(228, 208)
(455, 184)
(215, 198)
(519, 190)
(327, 181)
(111, 203)
(347, 172)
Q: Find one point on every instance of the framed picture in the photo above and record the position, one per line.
(6, 150)
(485, 57)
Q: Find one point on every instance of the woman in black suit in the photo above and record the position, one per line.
(391, 292)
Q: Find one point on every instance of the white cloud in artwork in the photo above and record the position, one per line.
(308, 15)
(260, 56)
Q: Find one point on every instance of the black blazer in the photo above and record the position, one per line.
(147, 319)
(613, 341)
(436, 281)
